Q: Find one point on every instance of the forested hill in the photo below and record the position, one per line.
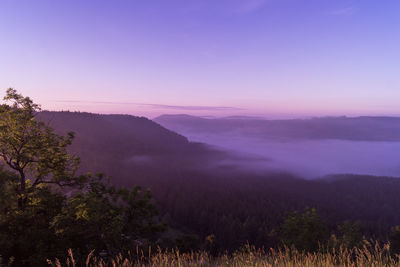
(341, 128)
(130, 149)
(200, 198)
(137, 134)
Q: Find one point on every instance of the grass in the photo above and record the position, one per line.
(370, 254)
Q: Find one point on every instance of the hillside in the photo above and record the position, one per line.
(127, 134)
(200, 198)
(130, 149)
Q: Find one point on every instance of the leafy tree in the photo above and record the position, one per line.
(32, 149)
(306, 231)
(351, 235)
(41, 219)
(108, 219)
(25, 234)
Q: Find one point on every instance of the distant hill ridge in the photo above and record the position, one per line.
(365, 128)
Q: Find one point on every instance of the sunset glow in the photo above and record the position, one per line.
(253, 57)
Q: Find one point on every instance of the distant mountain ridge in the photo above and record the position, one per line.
(364, 128)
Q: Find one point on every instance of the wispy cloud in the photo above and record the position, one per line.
(346, 11)
(214, 108)
(230, 6)
(158, 106)
(248, 6)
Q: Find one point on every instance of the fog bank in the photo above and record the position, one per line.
(309, 158)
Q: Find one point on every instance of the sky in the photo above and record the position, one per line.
(288, 58)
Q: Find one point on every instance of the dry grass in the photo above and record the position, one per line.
(370, 254)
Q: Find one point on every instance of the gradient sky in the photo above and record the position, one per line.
(208, 57)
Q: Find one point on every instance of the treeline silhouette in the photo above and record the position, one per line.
(242, 208)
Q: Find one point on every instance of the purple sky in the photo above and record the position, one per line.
(207, 57)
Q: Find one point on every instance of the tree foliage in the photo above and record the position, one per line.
(351, 235)
(109, 219)
(306, 231)
(41, 218)
(32, 149)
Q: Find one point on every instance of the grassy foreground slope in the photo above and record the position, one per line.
(369, 254)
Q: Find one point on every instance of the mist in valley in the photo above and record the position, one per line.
(312, 157)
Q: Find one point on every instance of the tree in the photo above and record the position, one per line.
(32, 149)
(351, 235)
(39, 221)
(25, 234)
(108, 219)
(306, 231)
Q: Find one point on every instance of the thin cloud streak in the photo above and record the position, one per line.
(160, 106)
(249, 6)
(346, 11)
